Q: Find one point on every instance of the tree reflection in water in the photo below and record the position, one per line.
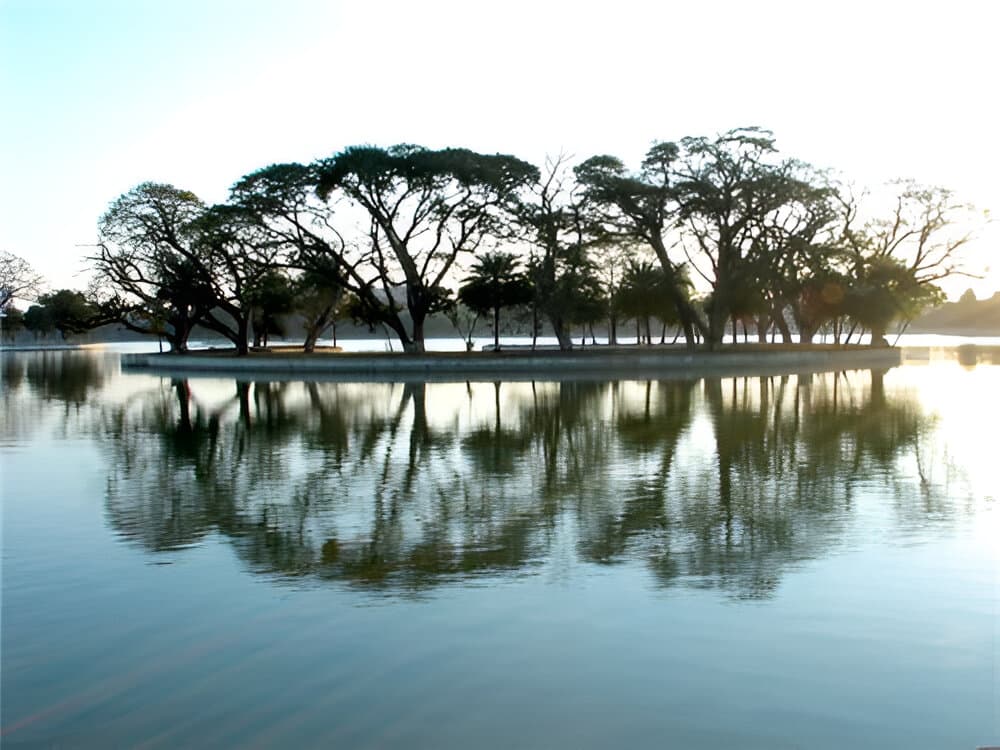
(31, 381)
(714, 483)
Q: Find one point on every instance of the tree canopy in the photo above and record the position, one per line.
(425, 207)
(383, 233)
(17, 280)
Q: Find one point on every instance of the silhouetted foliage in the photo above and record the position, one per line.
(769, 242)
(66, 310)
(425, 208)
(17, 280)
(149, 266)
(643, 208)
(495, 282)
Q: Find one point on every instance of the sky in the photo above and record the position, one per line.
(101, 95)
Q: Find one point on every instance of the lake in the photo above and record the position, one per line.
(800, 561)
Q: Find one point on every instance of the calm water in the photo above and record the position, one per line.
(781, 562)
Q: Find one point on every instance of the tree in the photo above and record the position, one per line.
(646, 293)
(732, 193)
(148, 267)
(239, 263)
(895, 260)
(464, 319)
(66, 310)
(794, 260)
(283, 202)
(424, 207)
(567, 290)
(888, 291)
(38, 320)
(496, 281)
(176, 263)
(611, 268)
(643, 208)
(71, 312)
(17, 280)
(12, 321)
(272, 295)
(319, 298)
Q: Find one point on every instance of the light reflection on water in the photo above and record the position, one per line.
(771, 562)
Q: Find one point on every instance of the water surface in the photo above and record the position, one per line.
(777, 562)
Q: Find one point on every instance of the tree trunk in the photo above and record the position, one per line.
(496, 328)
(258, 333)
(762, 325)
(309, 345)
(878, 336)
(782, 325)
(534, 326)
(562, 335)
(717, 319)
(685, 311)
(315, 329)
(178, 340)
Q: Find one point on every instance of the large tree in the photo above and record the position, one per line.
(896, 258)
(175, 263)
(17, 280)
(732, 191)
(145, 265)
(283, 202)
(243, 267)
(272, 296)
(561, 269)
(425, 207)
(794, 259)
(643, 208)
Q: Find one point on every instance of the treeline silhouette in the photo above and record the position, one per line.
(706, 235)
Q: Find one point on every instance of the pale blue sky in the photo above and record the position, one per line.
(102, 95)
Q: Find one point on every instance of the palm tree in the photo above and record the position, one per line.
(496, 281)
(644, 294)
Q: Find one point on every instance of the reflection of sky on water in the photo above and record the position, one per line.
(768, 561)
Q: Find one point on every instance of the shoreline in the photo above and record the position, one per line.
(514, 364)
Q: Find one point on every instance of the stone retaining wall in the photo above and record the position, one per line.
(649, 363)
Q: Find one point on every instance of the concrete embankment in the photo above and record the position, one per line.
(585, 363)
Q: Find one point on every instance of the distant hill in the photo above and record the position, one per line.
(968, 316)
